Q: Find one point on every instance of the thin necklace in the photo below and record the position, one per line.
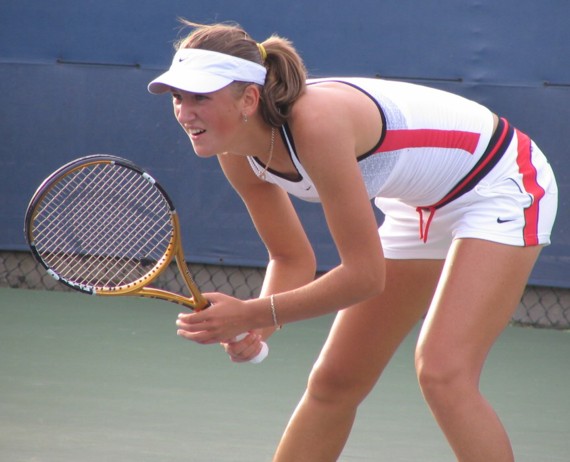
(263, 173)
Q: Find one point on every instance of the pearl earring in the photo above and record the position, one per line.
(244, 117)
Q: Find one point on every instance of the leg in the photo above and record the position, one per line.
(361, 343)
(481, 285)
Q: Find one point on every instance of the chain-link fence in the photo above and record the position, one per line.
(539, 307)
(20, 270)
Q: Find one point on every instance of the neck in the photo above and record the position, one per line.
(257, 142)
(269, 153)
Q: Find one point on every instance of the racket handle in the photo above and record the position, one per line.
(261, 355)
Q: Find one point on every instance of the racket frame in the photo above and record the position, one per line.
(138, 287)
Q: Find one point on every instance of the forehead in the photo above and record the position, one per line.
(234, 91)
(225, 91)
(179, 91)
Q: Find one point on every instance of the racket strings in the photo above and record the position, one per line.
(105, 239)
(67, 196)
(59, 221)
(103, 226)
(130, 220)
(129, 246)
(65, 205)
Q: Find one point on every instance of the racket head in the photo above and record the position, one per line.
(102, 225)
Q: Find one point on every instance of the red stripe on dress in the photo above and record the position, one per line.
(428, 138)
(530, 183)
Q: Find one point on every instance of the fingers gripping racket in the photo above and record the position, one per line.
(103, 226)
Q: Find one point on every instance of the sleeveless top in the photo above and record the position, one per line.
(430, 141)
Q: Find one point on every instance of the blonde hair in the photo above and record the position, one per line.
(286, 73)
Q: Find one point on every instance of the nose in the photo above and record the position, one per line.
(184, 114)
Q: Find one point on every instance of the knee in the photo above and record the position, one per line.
(443, 378)
(337, 385)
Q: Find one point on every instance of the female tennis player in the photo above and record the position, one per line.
(468, 201)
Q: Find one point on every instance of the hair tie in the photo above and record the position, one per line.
(262, 52)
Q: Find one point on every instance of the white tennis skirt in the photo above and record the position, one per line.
(515, 204)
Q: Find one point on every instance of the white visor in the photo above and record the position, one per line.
(204, 71)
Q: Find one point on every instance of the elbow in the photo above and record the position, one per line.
(305, 263)
(376, 282)
(372, 278)
(299, 269)
(309, 266)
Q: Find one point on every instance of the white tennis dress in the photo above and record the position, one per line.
(438, 152)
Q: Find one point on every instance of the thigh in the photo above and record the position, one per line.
(365, 336)
(481, 285)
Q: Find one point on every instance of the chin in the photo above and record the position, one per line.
(202, 152)
(205, 154)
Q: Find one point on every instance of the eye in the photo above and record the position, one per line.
(200, 97)
(177, 97)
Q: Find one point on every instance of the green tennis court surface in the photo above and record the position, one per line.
(97, 379)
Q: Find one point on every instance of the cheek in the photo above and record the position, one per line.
(176, 110)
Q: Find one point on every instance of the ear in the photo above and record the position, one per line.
(250, 99)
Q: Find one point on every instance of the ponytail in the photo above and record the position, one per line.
(285, 81)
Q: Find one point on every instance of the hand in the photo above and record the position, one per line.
(246, 348)
(221, 322)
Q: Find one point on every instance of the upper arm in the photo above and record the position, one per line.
(327, 145)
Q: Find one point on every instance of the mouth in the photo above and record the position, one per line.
(195, 132)
(200, 147)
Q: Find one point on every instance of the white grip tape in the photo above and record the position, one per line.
(261, 355)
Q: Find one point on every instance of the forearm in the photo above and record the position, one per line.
(338, 289)
(282, 276)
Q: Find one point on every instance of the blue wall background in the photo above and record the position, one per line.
(73, 77)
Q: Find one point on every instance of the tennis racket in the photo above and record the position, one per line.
(103, 226)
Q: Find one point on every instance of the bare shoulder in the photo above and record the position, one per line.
(333, 113)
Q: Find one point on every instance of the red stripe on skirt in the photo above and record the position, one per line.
(529, 175)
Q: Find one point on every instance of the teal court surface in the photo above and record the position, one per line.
(98, 379)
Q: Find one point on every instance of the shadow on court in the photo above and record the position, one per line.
(96, 379)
